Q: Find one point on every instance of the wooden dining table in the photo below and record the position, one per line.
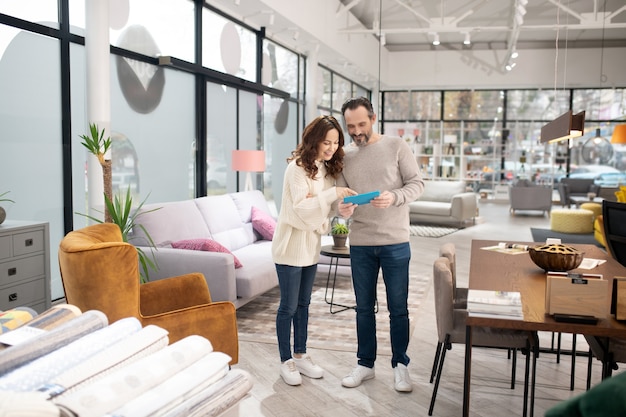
(492, 270)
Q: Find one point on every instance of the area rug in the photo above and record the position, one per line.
(431, 231)
(256, 321)
(540, 235)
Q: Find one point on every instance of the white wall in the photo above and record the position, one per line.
(480, 69)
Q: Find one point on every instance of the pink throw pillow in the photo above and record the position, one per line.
(263, 223)
(205, 245)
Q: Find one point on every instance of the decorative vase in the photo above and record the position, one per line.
(339, 241)
(3, 214)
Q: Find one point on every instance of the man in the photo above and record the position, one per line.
(379, 236)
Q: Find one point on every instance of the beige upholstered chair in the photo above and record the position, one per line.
(451, 327)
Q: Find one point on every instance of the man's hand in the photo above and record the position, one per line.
(346, 209)
(384, 200)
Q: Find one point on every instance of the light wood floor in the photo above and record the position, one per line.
(491, 395)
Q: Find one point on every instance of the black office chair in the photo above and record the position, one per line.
(614, 219)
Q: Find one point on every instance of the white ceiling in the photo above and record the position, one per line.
(410, 25)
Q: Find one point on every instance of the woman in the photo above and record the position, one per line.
(308, 192)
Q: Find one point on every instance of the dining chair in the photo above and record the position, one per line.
(609, 351)
(614, 220)
(451, 329)
(100, 271)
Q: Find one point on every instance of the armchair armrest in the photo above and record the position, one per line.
(218, 269)
(464, 206)
(216, 321)
(173, 293)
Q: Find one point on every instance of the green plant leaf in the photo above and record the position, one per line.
(6, 199)
(125, 217)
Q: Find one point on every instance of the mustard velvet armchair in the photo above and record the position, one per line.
(100, 271)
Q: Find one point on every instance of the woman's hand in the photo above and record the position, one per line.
(344, 192)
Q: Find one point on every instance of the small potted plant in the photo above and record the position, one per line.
(3, 213)
(339, 232)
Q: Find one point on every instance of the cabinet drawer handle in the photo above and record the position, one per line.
(12, 271)
(28, 242)
(13, 297)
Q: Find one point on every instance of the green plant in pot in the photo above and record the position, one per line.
(124, 216)
(339, 232)
(3, 213)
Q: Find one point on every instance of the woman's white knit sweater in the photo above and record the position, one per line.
(302, 220)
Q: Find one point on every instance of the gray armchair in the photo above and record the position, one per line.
(575, 187)
(525, 195)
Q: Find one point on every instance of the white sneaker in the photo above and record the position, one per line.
(359, 374)
(307, 367)
(289, 373)
(402, 379)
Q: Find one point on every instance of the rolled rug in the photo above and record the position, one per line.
(14, 318)
(50, 340)
(26, 404)
(49, 319)
(143, 343)
(216, 398)
(32, 375)
(126, 383)
(175, 390)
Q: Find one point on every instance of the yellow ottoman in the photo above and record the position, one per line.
(571, 221)
(595, 207)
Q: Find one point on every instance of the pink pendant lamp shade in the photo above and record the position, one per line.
(248, 161)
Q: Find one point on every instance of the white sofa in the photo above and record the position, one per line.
(225, 219)
(444, 202)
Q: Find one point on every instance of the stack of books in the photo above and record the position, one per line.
(495, 304)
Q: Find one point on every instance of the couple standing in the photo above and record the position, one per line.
(316, 178)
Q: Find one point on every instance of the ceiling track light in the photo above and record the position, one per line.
(383, 40)
(436, 39)
(467, 39)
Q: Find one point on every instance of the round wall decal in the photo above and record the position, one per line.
(230, 47)
(142, 84)
(282, 117)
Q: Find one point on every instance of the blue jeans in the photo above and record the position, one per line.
(366, 262)
(296, 284)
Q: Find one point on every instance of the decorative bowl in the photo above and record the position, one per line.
(556, 257)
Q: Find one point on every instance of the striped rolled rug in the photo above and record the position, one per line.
(45, 342)
(14, 318)
(32, 375)
(126, 383)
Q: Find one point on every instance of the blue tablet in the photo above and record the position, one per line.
(361, 198)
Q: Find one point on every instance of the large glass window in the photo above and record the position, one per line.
(228, 47)
(536, 104)
(221, 138)
(280, 68)
(30, 134)
(601, 104)
(44, 12)
(149, 27)
(473, 105)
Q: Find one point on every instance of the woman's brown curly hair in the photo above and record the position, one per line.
(307, 151)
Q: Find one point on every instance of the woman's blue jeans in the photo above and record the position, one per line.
(366, 261)
(296, 284)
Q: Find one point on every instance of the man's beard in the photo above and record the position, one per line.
(362, 139)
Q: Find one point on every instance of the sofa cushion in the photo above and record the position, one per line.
(434, 208)
(263, 223)
(222, 218)
(259, 271)
(441, 190)
(208, 245)
(172, 221)
(245, 200)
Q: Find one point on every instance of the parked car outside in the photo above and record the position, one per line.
(604, 176)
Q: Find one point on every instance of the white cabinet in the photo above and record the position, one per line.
(24, 265)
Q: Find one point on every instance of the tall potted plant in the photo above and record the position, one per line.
(98, 146)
